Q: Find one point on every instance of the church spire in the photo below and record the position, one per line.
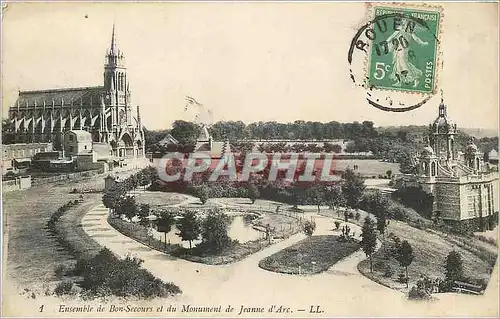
(442, 107)
(114, 56)
(112, 49)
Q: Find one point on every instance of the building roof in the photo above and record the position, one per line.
(58, 97)
(168, 139)
(24, 146)
(81, 135)
(493, 154)
(216, 151)
(102, 149)
(427, 151)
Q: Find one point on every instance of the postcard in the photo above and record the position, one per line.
(249, 159)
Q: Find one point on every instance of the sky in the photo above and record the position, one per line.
(243, 61)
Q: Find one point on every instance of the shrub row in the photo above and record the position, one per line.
(106, 275)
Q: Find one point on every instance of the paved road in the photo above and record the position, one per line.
(340, 291)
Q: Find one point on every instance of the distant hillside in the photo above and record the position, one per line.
(480, 132)
(476, 132)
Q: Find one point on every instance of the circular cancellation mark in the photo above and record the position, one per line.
(396, 55)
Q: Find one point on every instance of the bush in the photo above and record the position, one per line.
(215, 231)
(454, 266)
(64, 288)
(62, 270)
(249, 218)
(308, 227)
(397, 212)
(388, 272)
(402, 277)
(446, 286)
(105, 274)
(422, 290)
(337, 224)
(357, 216)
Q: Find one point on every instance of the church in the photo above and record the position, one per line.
(104, 111)
(464, 188)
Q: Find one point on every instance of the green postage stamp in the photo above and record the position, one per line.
(404, 49)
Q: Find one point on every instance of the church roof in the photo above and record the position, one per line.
(67, 96)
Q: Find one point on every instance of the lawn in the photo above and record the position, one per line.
(25, 217)
(312, 255)
(430, 250)
(285, 226)
(368, 167)
(282, 224)
(159, 198)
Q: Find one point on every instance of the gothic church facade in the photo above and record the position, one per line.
(104, 111)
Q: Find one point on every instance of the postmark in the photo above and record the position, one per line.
(395, 56)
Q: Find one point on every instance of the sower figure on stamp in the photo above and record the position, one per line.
(403, 71)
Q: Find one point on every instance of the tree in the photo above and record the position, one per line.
(369, 239)
(165, 223)
(406, 163)
(185, 132)
(189, 227)
(346, 216)
(337, 224)
(113, 196)
(382, 225)
(214, 230)
(388, 174)
(144, 210)
(454, 266)
(377, 203)
(346, 235)
(405, 257)
(316, 194)
(253, 192)
(8, 135)
(269, 232)
(352, 188)
(336, 148)
(334, 197)
(143, 178)
(128, 207)
(203, 193)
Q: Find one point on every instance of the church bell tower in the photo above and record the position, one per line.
(117, 94)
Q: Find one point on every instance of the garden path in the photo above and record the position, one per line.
(340, 291)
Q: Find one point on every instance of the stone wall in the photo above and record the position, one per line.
(67, 177)
(16, 184)
(473, 224)
(447, 197)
